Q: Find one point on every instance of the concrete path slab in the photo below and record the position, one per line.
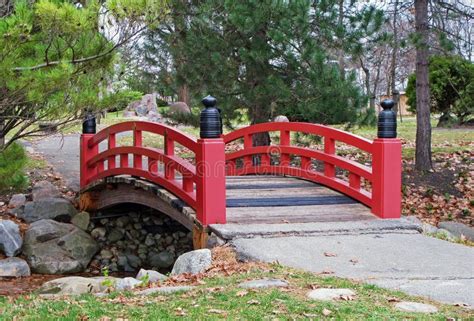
(413, 263)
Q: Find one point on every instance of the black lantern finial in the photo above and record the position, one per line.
(89, 124)
(211, 123)
(387, 122)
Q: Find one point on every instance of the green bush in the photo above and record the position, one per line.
(12, 164)
(451, 89)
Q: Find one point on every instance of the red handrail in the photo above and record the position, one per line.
(194, 186)
(378, 175)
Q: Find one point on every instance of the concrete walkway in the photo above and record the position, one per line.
(389, 253)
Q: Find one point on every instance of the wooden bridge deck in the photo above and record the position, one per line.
(250, 200)
(276, 199)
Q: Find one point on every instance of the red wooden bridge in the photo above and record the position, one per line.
(254, 184)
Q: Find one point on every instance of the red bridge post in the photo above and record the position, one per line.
(210, 167)
(387, 165)
(86, 152)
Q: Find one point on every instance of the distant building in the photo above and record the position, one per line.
(402, 104)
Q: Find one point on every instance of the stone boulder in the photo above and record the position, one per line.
(150, 275)
(458, 229)
(281, 119)
(58, 209)
(193, 262)
(44, 189)
(145, 107)
(51, 247)
(10, 238)
(75, 285)
(17, 200)
(81, 220)
(14, 267)
(179, 107)
(162, 259)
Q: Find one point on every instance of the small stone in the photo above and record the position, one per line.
(17, 200)
(133, 260)
(122, 221)
(149, 241)
(169, 240)
(165, 290)
(137, 226)
(193, 262)
(127, 283)
(10, 238)
(264, 283)
(106, 254)
(153, 276)
(325, 294)
(416, 307)
(163, 259)
(115, 235)
(104, 221)
(281, 119)
(98, 233)
(44, 189)
(81, 220)
(14, 267)
(458, 229)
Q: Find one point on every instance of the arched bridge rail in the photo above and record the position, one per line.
(378, 149)
(191, 186)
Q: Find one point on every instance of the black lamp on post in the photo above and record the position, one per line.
(89, 125)
(387, 122)
(210, 122)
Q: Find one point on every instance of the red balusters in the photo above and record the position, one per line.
(169, 151)
(111, 160)
(137, 142)
(284, 141)
(329, 148)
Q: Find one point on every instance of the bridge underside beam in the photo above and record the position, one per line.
(114, 191)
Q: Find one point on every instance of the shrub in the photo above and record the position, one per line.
(12, 164)
(451, 89)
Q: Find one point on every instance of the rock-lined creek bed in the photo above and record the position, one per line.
(139, 238)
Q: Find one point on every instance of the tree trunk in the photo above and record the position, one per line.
(423, 125)
(183, 94)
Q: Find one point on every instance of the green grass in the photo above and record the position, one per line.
(220, 298)
(444, 140)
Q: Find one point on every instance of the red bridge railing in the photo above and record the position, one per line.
(384, 175)
(202, 184)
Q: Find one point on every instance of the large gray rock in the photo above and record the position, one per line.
(75, 285)
(44, 189)
(58, 209)
(17, 200)
(193, 262)
(179, 107)
(14, 266)
(10, 238)
(57, 248)
(458, 229)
